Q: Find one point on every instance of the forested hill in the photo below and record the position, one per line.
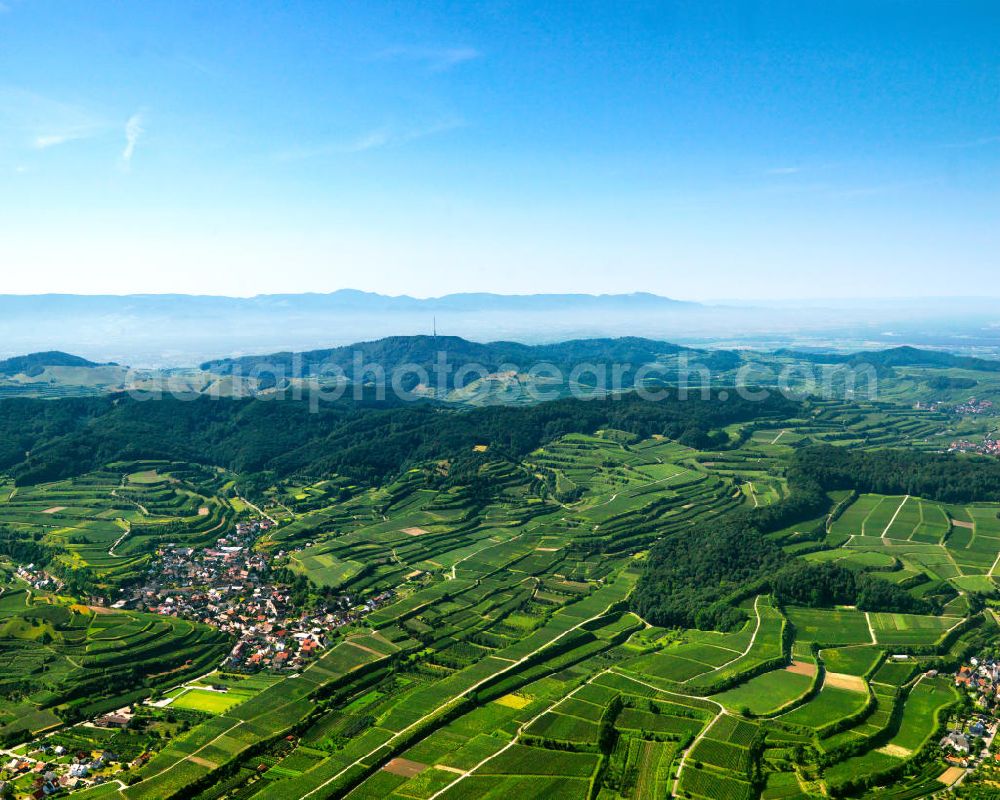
(33, 363)
(423, 351)
(946, 477)
(370, 441)
(896, 357)
(690, 577)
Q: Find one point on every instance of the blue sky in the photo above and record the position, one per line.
(698, 150)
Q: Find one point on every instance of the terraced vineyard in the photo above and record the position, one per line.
(510, 660)
(65, 661)
(106, 524)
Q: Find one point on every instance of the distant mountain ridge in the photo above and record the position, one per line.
(904, 356)
(343, 299)
(34, 363)
(174, 330)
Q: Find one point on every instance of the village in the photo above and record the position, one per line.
(49, 769)
(229, 587)
(968, 741)
(987, 447)
(974, 406)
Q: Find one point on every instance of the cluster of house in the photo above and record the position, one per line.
(50, 777)
(272, 636)
(980, 677)
(231, 562)
(970, 406)
(228, 586)
(251, 529)
(989, 447)
(39, 578)
(974, 406)
(958, 743)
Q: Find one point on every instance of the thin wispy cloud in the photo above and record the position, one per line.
(133, 130)
(375, 139)
(45, 141)
(784, 171)
(40, 122)
(436, 59)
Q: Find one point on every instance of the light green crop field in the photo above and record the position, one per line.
(830, 627)
(206, 700)
(766, 693)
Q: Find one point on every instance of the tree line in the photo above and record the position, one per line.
(946, 477)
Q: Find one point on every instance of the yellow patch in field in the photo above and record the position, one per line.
(802, 668)
(895, 750)
(950, 775)
(513, 701)
(404, 767)
(480, 448)
(413, 531)
(841, 680)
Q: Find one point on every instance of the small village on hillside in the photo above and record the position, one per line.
(228, 586)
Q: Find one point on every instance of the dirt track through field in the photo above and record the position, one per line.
(891, 521)
(362, 647)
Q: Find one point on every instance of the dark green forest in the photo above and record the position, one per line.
(369, 441)
(950, 478)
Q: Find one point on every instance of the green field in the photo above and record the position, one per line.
(209, 701)
(766, 693)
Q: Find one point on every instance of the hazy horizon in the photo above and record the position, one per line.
(183, 330)
(763, 300)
